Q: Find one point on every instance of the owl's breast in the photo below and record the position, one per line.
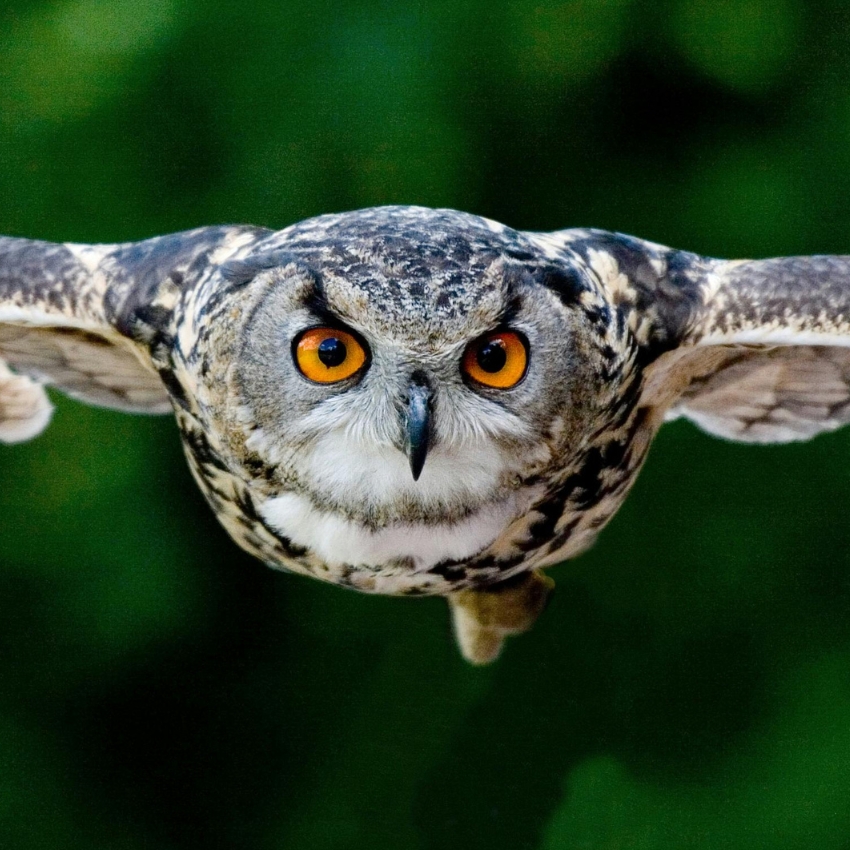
(338, 540)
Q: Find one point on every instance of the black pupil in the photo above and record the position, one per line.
(332, 352)
(492, 356)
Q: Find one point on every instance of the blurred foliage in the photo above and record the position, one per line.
(690, 685)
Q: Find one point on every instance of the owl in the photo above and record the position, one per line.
(411, 401)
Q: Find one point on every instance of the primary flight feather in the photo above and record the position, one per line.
(423, 402)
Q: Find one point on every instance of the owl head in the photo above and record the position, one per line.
(406, 377)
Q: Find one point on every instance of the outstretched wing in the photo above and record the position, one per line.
(749, 350)
(763, 354)
(68, 318)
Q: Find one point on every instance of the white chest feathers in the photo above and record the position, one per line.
(455, 510)
(337, 540)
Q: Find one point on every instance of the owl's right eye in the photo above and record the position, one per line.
(328, 355)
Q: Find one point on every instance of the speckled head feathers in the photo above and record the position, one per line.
(407, 272)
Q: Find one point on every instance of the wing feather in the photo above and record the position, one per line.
(781, 332)
(69, 317)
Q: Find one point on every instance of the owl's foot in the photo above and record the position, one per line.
(483, 618)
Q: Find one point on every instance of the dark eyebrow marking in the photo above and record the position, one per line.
(513, 295)
(316, 301)
(242, 272)
(511, 310)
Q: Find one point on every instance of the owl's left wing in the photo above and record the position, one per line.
(756, 351)
(83, 318)
(750, 350)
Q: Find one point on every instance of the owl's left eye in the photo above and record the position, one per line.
(328, 355)
(498, 360)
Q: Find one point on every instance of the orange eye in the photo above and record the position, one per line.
(328, 355)
(497, 360)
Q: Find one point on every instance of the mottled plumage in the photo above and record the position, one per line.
(410, 476)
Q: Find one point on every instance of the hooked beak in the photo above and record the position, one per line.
(418, 425)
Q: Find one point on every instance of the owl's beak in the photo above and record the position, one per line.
(418, 425)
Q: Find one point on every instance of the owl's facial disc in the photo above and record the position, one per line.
(405, 396)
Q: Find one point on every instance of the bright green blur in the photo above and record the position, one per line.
(688, 688)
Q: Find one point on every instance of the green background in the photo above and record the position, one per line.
(689, 687)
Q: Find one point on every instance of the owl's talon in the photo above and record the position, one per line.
(483, 618)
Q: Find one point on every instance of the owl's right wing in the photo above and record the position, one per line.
(80, 317)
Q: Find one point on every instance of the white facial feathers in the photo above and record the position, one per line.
(357, 503)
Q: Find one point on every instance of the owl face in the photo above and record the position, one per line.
(407, 407)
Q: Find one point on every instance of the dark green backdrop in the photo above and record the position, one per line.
(690, 685)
